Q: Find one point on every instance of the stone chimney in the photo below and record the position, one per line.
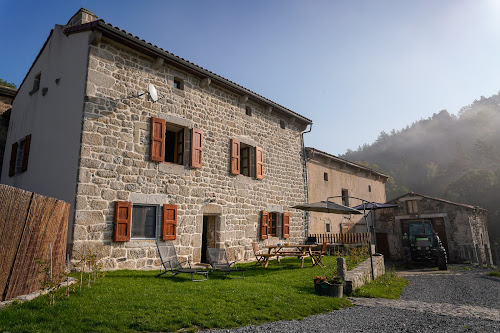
(82, 16)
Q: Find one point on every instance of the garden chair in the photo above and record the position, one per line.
(262, 258)
(318, 255)
(220, 263)
(171, 264)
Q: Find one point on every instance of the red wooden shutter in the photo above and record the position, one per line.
(169, 229)
(235, 157)
(157, 146)
(13, 157)
(26, 153)
(259, 163)
(123, 216)
(196, 147)
(264, 223)
(286, 225)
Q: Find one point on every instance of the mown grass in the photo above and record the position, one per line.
(495, 273)
(131, 301)
(390, 285)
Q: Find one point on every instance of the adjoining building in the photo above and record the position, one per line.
(328, 176)
(210, 164)
(459, 226)
(7, 95)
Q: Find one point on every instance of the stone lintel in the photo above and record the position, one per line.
(176, 120)
(246, 140)
(212, 209)
(149, 199)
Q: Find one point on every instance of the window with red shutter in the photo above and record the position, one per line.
(196, 147)
(157, 134)
(123, 213)
(286, 225)
(235, 157)
(264, 223)
(259, 163)
(169, 228)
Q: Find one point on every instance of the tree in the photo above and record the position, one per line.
(7, 84)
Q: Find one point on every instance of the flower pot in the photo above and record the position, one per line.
(328, 289)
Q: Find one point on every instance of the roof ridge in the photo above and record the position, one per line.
(102, 23)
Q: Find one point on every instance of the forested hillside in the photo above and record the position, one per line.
(452, 157)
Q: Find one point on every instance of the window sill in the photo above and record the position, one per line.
(33, 91)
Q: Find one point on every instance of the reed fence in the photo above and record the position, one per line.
(33, 233)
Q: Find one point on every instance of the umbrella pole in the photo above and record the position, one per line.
(369, 242)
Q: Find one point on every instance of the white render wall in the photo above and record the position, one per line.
(54, 120)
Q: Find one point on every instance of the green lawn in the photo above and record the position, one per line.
(495, 273)
(389, 285)
(132, 301)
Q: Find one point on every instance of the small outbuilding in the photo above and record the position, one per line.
(462, 228)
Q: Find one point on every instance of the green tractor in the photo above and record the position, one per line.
(422, 245)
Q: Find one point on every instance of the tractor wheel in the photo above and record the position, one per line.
(407, 258)
(442, 264)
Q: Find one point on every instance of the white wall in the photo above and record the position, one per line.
(54, 120)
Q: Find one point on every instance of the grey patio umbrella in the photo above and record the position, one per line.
(327, 207)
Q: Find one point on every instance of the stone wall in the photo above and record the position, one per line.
(358, 276)
(115, 164)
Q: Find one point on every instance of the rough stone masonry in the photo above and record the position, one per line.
(115, 162)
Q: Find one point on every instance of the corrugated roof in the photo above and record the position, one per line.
(128, 39)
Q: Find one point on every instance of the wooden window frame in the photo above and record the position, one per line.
(178, 83)
(136, 206)
(245, 160)
(19, 156)
(273, 224)
(412, 207)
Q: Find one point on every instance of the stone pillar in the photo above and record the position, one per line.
(496, 252)
(341, 268)
(479, 255)
(472, 253)
(487, 253)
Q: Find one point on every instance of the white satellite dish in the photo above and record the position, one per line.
(153, 94)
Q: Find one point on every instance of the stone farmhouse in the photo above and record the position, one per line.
(210, 164)
(329, 176)
(462, 228)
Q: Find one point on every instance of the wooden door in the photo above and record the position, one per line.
(383, 244)
(440, 229)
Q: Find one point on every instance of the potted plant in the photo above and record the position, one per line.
(332, 287)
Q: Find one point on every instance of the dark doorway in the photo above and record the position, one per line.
(383, 244)
(208, 236)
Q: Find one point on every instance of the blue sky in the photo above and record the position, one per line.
(355, 68)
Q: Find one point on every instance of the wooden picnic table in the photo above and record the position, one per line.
(300, 251)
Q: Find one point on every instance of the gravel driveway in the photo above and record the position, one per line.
(456, 300)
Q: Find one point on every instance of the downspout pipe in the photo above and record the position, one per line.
(306, 175)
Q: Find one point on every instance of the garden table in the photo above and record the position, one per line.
(292, 250)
